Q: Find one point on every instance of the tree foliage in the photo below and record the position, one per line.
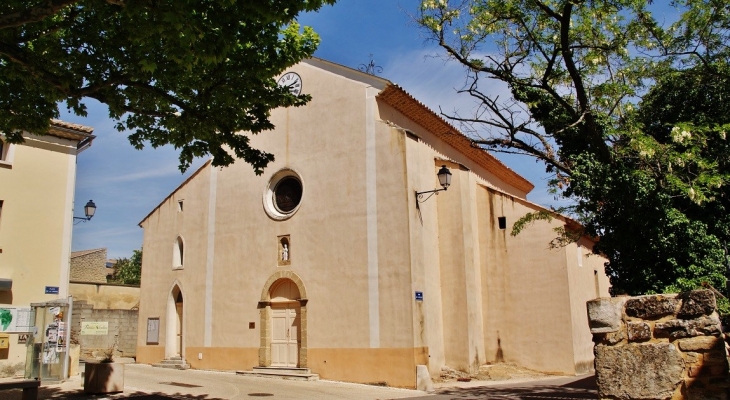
(626, 110)
(128, 271)
(190, 73)
(661, 205)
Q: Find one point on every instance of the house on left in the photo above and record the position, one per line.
(37, 184)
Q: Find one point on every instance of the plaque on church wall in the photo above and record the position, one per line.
(153, 330)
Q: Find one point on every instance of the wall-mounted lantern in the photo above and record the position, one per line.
(89, 210)
(444, 176)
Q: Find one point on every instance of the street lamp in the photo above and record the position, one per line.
(89, 210)
(444, 176)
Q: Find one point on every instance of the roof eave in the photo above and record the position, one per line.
(193, 175)
(398, 98)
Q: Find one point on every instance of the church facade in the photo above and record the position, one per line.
(330, 260)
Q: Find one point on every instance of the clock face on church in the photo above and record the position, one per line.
(293, 81)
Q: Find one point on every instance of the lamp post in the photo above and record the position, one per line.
(89, 210)
(444, 176)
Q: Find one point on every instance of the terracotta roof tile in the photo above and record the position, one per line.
(68, 125)
(67, 130)
(399, 99)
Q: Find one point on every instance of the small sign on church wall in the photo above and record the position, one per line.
(419, 296)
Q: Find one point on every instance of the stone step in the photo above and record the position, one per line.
(167, 361)
(287, 370)
(172, 366)
(300, 374)
(172, 363)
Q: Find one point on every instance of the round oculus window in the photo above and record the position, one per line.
(287, 194)
(283, 195)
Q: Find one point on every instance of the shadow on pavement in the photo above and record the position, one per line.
(56, 393)
(582, 389)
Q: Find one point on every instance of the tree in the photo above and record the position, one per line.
(589, 84)
(128, 271)
(667, 184)
(190, 73)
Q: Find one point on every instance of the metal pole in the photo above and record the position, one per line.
(67, 332)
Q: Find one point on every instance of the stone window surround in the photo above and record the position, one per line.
(268, 197)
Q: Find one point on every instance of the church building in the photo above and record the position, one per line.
(333, 260)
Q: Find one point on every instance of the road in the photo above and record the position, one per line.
(144, 382)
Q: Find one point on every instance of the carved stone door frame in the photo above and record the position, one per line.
(265, 317)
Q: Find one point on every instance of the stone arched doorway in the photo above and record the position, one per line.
(283, 321)
(174, 343)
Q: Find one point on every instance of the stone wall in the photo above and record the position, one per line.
(109, 296)
(659, 347)
(89, 266)
(122, 330)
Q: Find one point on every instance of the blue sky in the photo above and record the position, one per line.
(126, 184)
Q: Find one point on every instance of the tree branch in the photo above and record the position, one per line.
(35, 14)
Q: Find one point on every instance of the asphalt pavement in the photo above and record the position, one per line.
(144, 382)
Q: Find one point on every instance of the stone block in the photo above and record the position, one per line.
(638, 331)
(701, 343)
(651, 307)
(718, 369)
(716, 355)
(615, 337)
(720, 382)
(692, 357)
(610, 338)
(604, 314)
(707, 370)
(638, 371)
(704, 394)
(683, 328)
(423, 379)
(694, 371)
(696, 303)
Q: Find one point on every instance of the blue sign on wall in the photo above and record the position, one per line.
(419, 296)
(51, 289)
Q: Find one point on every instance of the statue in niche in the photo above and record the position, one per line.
(284, 252)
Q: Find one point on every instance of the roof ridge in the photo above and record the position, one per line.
(80, 253)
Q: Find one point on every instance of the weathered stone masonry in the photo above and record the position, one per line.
(659, 347)
(122, 330)
(89, 266)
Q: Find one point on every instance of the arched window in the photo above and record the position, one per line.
(178, 253)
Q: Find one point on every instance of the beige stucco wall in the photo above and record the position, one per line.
(106, 296)
(158, 275)
(35, 226)
(489, 296)
(528, 305)
(588, 281)
(331, 246)
(361, 249)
